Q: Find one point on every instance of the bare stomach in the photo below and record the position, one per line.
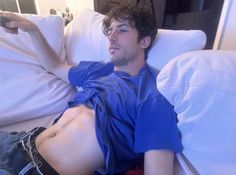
(70, 146)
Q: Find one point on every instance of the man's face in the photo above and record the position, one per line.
(123, 43)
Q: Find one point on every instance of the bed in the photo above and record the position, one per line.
(198, 83)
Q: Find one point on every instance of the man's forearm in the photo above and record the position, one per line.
(159, 162)
(47, 56)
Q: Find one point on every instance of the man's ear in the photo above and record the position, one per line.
(145, 42)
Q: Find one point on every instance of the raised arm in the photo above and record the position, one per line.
(159, 162)
(47, 56)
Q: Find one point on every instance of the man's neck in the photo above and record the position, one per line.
(132, 68)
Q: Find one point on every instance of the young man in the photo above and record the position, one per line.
(117, 120)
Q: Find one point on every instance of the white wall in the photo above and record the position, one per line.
(75, 6)
(226, 34)
(44, 6)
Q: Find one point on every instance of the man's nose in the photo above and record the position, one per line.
(113, 36)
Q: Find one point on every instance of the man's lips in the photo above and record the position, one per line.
(113, 49)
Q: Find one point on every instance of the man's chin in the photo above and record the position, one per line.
(117, 62)
(114, 61)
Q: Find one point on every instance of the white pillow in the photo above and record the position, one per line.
(201, 86)
(50, 26)
(86, 41)
(27, 90)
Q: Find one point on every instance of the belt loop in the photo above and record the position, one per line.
(23, 144)
(24, 139)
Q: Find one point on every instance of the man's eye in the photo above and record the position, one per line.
(122, 30)
(110, 31)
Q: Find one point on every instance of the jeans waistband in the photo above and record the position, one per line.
(27, 142)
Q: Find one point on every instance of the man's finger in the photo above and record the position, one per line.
(11, 31)
(11, 24)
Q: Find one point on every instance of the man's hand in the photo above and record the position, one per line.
(159, 162)
(15, 21)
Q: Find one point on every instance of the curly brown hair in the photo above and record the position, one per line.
(138, 17)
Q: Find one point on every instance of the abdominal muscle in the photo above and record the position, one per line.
(70, 146)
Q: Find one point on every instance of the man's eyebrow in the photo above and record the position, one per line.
(123, 24)
(120, 25)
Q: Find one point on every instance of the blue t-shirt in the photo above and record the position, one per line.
(132, 117)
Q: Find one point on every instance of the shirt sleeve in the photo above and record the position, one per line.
(88, 70)
(156, 126)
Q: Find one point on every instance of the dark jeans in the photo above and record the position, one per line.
(16, 154)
